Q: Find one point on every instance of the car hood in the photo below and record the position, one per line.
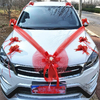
(49, 40)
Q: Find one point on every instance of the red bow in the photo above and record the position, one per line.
(14, 49)
(85, 40)
(84, 21)
(31, 3)
(51, 66)
(15, 39)
(68, 4)
(83, 48)
(82, 39)
(13, 21)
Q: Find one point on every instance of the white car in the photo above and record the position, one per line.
(49, 55)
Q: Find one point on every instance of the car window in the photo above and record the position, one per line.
(49, 17)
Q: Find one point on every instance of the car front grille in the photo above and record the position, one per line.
(28, 71)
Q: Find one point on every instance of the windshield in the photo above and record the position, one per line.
(49, 17)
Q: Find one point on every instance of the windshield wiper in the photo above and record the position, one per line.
(26, 27)
(57, 28)
(45, 28)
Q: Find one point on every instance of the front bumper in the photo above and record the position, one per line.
(80, 87)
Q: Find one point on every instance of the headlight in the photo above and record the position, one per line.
(4, 59)
(92, 60)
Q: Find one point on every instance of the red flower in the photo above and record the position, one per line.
(82, 39)
(50, 59)
(82, 48)
(68, 4)
(14, 49)
(84, 21)
(51, 67)
(13, 21)
(15, 39)
(31, 3)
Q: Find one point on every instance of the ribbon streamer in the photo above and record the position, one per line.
(12, 21)
(85, 40)
(13, 49)
(69, 40)
(12, 40)
(30, 3)
(51, 60)
(82, 48)
(84, 21)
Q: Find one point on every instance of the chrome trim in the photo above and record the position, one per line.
(35, 78)
(17, 65)
(28, 71)
(41, 78)
(93, 78)
(68, 85)
(24, 85)
(69, 97)
(4, 79)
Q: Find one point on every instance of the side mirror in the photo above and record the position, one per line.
(85, 22)
(12, 22)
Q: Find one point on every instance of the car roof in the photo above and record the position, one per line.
(49, 3)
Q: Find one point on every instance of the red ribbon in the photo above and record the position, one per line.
(13, 21)
(51, 67)
(68, 4)
(69, 40)
(51, 60)
(14, 49)
(84, 21)
(15, 39)
(30, 3)
(82, 48)
(85, 40)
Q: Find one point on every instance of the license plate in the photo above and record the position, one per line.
(45, 89)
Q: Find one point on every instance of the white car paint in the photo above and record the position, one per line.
(50, 40)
